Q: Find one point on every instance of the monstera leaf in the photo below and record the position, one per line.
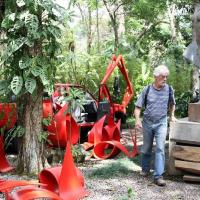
(16, 84)
(20, 3)
(30, 85)
(36, 71)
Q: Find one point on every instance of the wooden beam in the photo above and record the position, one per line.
(187, 153)
(192, 167)
(191, 178)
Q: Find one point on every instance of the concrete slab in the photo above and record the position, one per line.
(194, 112)
(185, 131)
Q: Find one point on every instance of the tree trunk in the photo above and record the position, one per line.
(31, 159)
(113, 19)
(31, 156)
(97, 19)
(89, 32)
(121, 20)
(115, 29)
(172, 18)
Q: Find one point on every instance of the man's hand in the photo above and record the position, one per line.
(171, 114)
(172, 119)
(138, 124)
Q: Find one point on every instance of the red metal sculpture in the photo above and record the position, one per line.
(104, 92)
(101, 138)
(27, 191)
(8, 118)
(4, 165)
(8, 115)
(62, 182)
(59, 128)
(67, 181)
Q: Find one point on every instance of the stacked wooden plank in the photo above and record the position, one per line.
(184, 146)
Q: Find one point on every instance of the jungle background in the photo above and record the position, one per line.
(145, 32)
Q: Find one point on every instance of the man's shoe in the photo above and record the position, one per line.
(144, 173)
(160, 182)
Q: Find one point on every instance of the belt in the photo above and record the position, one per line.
(154, 120)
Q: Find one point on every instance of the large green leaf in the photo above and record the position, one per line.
(36, 71)
(24, 63)
(30, 85)
(8, 21)
(44, 79)
(16, 84)
(20, 3)
(16, 44)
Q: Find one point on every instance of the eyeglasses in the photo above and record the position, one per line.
(163, 76)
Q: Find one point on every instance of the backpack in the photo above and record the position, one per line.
(147, 92)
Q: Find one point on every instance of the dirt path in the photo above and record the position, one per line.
(119, 179)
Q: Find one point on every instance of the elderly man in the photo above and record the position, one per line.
(156, 99)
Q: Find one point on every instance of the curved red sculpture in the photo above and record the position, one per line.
(67, 181)
(60, 126)
(64, 182)
(108, 138)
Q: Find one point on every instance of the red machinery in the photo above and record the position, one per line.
(104, 92)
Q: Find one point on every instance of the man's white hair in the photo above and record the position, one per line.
(161, 70)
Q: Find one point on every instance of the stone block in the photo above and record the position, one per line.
(185, 131)
(194, 112)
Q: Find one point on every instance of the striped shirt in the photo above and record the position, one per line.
(157, 102)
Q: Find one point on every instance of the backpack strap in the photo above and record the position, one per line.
(170, 95)
(146, 94)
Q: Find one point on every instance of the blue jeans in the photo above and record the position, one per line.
(151, 130)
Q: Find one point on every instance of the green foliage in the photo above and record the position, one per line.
(75, 99)
(43, 137)
(16, 84)
(130, 195)
(182, 102)
(15, 132)
(77, 153)
(114, 169)
(47, 121)
(149, 10)
(32, 29)
(81, 69)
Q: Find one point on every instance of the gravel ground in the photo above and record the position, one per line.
(119, 179)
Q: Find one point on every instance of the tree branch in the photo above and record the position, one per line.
(109, 11)
(147, 29)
